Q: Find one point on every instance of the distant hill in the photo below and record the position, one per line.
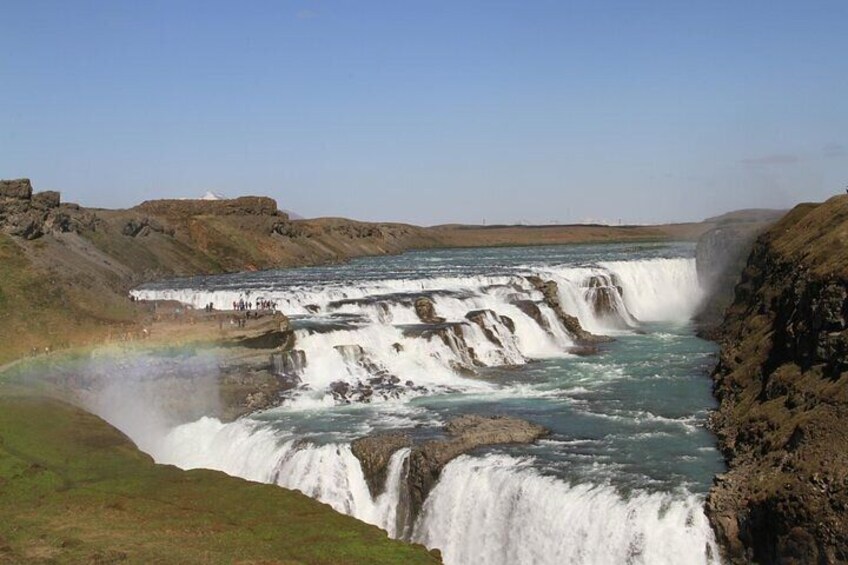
(748, 215)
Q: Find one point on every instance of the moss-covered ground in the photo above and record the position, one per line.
(73, 489)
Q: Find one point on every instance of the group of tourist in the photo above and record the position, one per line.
(242, 305)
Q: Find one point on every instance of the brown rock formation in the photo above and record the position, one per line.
(16, 189)
(782, 384)
(550, 292)
(603, 294)
(29, 216)
(479, 317)
(426, 311)
(243, 206)
(374, 453)
(426, 460)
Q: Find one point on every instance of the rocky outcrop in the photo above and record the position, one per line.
(532, 310)
(481, 317)
(16, 189)
(782, 422)
(374, 454)
(276, 333)
(144, 226)
(427, 459)
(29, 215)
(603, 295)
(426, 311)
(550, 292)
(243, 206)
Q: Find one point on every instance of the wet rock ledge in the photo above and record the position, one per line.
(427, 459)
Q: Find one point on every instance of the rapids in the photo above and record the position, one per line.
(621, 478)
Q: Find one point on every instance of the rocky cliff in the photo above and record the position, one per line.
(782, 385)
(721, 254)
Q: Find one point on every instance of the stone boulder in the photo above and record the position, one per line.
(426, 311)
(17, 189)
(374, 454)
(46, 200)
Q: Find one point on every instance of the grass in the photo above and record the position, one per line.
(40, 308)
(74, 489)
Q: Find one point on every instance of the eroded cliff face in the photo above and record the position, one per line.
(721, 255)
(782, 385)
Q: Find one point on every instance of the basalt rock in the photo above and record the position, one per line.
(278, 335)
(782, 384)
(16, 189)
(290, 230)
(243, 206)
(142, 227)
(550, 292)
(603, 294)
(46, 200)
(30, 216)
(426, 311)
(533, 311)
(427, 459)
(374, 454)
(480, 317)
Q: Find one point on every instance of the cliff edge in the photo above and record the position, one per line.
(782, 386)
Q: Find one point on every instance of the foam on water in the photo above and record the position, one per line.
(485, 509)
(498, 510)
(489, 510)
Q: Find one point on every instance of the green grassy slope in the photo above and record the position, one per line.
(74, 489)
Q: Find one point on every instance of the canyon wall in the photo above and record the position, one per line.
(782, 385)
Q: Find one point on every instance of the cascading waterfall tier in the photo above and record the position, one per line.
(481, 507)
(494, 509)
(366, 341)
(570, 499)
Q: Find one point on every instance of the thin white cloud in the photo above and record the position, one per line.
(772, 159)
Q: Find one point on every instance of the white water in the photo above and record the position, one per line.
(498, 510)
(659, 289)
(490, 509)
(379, 311)
(654, 290)
(329, 473)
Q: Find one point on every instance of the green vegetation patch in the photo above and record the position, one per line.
(74, 489)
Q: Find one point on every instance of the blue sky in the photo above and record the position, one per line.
(431, 111)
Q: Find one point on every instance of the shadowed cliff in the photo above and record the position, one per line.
(782, 385)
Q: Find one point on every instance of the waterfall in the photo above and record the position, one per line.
(659, 289)
(329, 473)
(493, 509)
(484, 323)
(361, 341)
(498, 510)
